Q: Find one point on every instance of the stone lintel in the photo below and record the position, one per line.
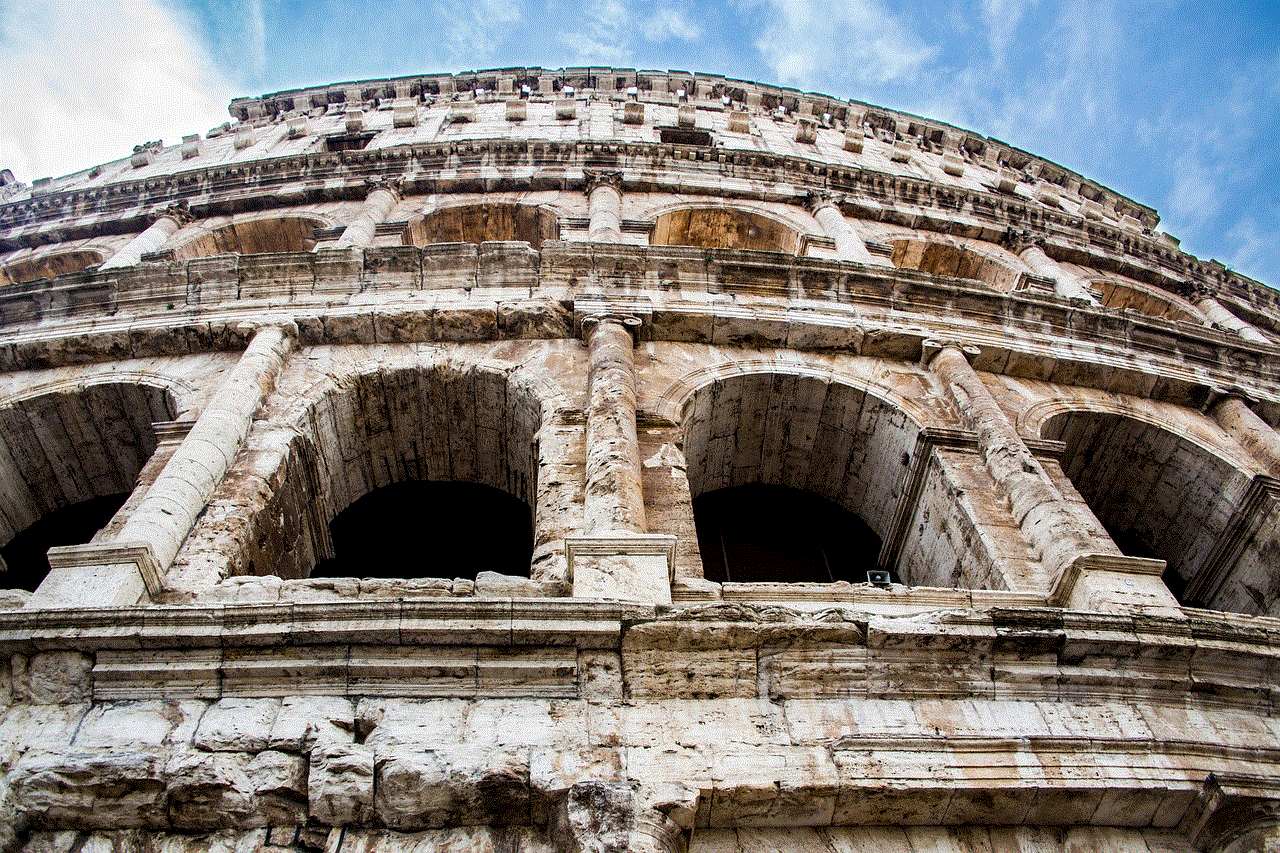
(109, 574)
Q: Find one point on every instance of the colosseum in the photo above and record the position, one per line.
(600, 460)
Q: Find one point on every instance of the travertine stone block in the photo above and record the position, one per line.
(340, 783)
(304, 721)
(237, 725)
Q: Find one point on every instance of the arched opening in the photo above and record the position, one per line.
(483, 223)
(767, 533)
(1161, 495)
(948, 259)
(424, 472)
(1119, 295)
(253, 237)
(67, 462)
(429, 529)
(793, 457)
(723, 228)
(48, 266)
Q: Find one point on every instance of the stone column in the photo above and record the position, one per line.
(1088, 574)
(849, 246)
(614, 497)
(166, 223)
(616, 559)
(1253, 433)
(383, 195)
(134, 564)
(1219, 315)
(1065, 284)
(604, 203)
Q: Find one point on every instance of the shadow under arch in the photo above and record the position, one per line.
(1160, 494)
(49, 266)
(406, 434)
(59, 450)
(483, 223)
(723, 228)
(834, 441)
(949, 259)
(259, 235)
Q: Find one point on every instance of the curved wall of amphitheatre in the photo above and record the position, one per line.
(406, 392)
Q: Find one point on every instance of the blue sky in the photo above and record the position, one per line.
(1174, 104)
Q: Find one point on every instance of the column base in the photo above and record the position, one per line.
(1111, 583)
(97, 575)
(622, 566)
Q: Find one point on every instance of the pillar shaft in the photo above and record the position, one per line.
(1252, 432)
(151, 240)
(849, 245)
(614, 497)
(1219, 314)
(167, 512)
(1037, 507)
(359, 232)
(604, 206)
(1065, 284)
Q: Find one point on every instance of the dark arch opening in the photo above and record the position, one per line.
(483, 223)
(761, 533)
(430, 529)
(723, 228)
(26, 555)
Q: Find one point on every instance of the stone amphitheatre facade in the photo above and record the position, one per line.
(593, 460)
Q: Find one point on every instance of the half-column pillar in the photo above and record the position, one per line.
(1065, 284)
(383, 195)
(133, 565)
(616, 559)
(1088, 573)
(604, 206)
(1219, 315)
(1253, 433)
(157, 234)
(849, 246)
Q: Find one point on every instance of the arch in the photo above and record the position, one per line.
(63, 448)
(51, 265)
(250, 236)
(950, 258)
(1161, 493)
(483, 222)
(1145, 300)
(833, 440)
(439, 421)
(724, 227)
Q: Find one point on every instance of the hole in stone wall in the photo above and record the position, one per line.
(1161, 495)
(723, 228)
(26, 555)
(684, 136)
(430, 529)
(48, 266)
(253, 237)
(757, 533)
(954, 261)
(481, 223)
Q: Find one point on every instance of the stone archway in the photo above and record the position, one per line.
(260, 235)
(48, 266)
(723, 228)
(482, 223)
(954, 261)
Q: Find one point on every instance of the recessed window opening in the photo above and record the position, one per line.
(431, 529)
(684, 136)
(482, 223)
(26, 555)
(761, 533)
(347, 141)
(723, 228)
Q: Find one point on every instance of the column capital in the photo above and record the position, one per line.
(593, 178)
(1215, 394)
(816, 200)
(930, 347)
(393, 184)
(629, 321)
(286, 325)
(178, 211)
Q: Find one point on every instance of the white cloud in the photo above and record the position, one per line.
(668, 23)
(83, 83)
(601, 37)
(475, 29)
(810, 42)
